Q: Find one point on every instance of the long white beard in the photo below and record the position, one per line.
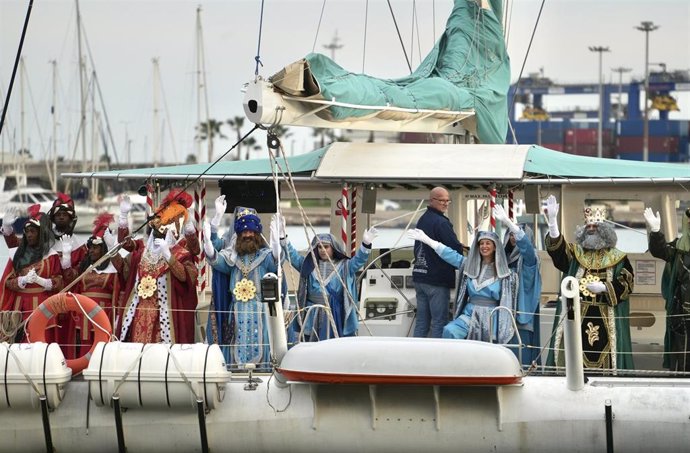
(593, 242)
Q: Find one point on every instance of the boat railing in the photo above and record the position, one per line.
(519, 344)
(316, 308)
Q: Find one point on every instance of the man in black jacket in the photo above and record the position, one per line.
(433, 278)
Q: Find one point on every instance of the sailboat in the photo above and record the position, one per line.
(366, 393)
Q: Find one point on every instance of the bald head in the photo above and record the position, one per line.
(439, 199)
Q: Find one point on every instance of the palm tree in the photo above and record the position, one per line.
(209, 130)
(236, 124)
(324, 134)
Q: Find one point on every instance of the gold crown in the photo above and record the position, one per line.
(594, 215)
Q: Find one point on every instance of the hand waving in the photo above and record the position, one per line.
(653, 221)
(369, 235)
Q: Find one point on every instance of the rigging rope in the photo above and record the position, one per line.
(318, 27)
(364, 45)
(397, 29)
(16, 64)
(115, 249)
(257, 58)
(524, 62)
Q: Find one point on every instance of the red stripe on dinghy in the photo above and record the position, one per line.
(340, 378)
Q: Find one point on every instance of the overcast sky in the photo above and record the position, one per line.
(124, 37)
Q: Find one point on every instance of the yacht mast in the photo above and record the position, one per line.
(53, 174)
(155, 155)
(81, 91)
(201, 89)
(20, 168)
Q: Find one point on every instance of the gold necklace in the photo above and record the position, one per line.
(244, 290)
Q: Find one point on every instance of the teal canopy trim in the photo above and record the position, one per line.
(543, 161)
(303, 163)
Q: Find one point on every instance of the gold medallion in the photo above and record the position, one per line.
(589, 278)
(244, 290)
(146, 287)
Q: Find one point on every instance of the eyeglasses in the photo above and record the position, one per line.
(441, 200)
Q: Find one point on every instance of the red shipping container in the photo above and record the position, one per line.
(586, 136)
(666, 145)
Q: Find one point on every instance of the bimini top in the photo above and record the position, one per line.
(409, 163)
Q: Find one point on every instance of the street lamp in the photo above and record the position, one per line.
(620, 70)
(601, 51)
(646, 27)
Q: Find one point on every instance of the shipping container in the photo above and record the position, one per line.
(586, 136)
(664, 145)
(657, 128)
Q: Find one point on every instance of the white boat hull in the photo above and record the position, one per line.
(540, 415)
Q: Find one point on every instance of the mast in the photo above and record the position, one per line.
(156, 139)
(201, 89)
(95, 158)
(82, 95)
(53, 173)
(20, 167)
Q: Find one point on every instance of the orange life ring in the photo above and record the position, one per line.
(62, 303)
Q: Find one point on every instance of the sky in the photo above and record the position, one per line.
(125, 36)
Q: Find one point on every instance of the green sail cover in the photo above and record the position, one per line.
(468, 68)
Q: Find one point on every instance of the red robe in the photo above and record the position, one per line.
(104, 289)
(27, 299)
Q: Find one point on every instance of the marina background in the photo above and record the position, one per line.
(123, 37)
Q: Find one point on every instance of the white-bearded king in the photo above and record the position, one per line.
(606, 281)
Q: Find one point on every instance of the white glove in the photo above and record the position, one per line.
(125, 207)
(274, 239)
(551, 213)
(189, 224)
(653, 221)
(66, 258)
(221, 206)
(208, 246)
(501, 215)
(8, 221)
(46, 283)
(369, 235)
(109, 239)
(31, 276)
(418, 235)
(596, 287)
(162, 244)
(22, 281)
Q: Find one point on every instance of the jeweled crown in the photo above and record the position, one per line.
(594, 215)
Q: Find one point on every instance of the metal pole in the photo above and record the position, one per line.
(620, 70)
(600, 127)
(646, 27)
(608, 413)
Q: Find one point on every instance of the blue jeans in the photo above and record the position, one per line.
(432, 309)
